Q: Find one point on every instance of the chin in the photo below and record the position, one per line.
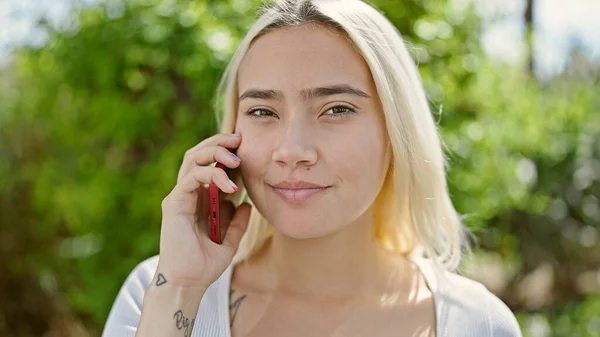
(299, 229)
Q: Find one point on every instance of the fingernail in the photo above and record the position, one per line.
(233, 185)
(236, 135)
(234, 156)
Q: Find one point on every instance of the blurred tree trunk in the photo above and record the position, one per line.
(528, 19)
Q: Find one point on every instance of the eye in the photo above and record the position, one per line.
(340, 111)
(259, 113)
(337, 111)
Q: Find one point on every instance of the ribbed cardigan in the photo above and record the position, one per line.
(463, 307)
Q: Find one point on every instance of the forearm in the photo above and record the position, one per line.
(169, 310)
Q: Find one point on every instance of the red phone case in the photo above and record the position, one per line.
(215, 228)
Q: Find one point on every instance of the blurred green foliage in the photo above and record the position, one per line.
(94, 125)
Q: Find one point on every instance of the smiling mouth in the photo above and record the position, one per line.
(298, 195)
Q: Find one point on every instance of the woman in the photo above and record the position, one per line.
(347, 228)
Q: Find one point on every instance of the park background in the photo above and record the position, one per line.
(100, 99)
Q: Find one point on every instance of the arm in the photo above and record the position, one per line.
(169, 310)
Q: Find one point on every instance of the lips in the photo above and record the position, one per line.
(298, 195)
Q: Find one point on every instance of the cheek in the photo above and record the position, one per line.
(254, 155)
(361, 154)
(361, 169)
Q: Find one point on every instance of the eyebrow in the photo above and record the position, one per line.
(305, 94)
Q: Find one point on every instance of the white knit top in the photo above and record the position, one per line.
(463, 307)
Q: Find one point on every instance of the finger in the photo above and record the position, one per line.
(227, 140)
(206, 156)
(237, 227)
(200, 175)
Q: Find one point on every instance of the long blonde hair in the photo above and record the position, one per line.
(413, 211)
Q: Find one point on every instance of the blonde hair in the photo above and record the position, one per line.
(414, 213)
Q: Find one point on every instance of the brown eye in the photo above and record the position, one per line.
(259, 113)
(340, 111)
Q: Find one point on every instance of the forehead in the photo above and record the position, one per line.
(299, 57)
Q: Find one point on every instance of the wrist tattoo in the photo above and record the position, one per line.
(160, 280)
(235, 306)
(182, 322)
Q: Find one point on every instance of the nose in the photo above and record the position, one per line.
(296, 146)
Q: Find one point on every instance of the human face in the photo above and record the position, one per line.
(291, 130)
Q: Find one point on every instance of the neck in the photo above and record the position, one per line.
(347, 265)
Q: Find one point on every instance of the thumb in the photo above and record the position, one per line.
(237, 227)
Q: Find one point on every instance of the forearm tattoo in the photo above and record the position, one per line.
(182, 322)
(234, 307)
(160, 280)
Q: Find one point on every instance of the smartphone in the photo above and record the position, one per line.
(216, 234)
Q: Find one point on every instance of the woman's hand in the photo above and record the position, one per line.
(188, 257)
